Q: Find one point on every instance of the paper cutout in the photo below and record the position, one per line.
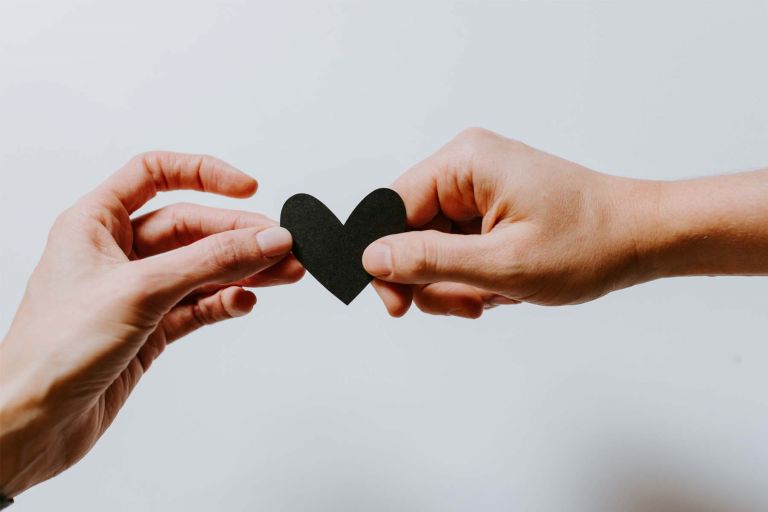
(331, 251)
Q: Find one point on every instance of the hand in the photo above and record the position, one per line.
(497, 222)
(108, 295)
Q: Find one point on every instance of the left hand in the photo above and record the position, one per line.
(109, 294)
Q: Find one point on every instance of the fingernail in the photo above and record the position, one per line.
(274, 241)
(377, 260)
(500, 300)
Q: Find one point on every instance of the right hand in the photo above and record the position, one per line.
(498, 222)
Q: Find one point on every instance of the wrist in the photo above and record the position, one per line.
(21, 416)
(635, 238)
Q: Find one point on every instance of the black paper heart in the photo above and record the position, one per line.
(332, 251)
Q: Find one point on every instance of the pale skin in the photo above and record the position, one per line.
(497, 222)
(492, 222)
(111, 291)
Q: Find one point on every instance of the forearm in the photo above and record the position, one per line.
(707, 226)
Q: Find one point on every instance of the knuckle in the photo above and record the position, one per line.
(151, 157)
(222, 312)
(475, 141)
(149, 163)
(146, 160)
(200, 162)
(471, 142)
(158, 165)
(418, 262)
(207, 312)
(225, 254)
(177, 217)
(428, 248)
(148, 353)
(182, 207)
(475, 137)
(475, 133)
(179, 213)
(201, 314)
(138, 159)
(241, 220)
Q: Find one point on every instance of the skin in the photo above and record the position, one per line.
(111, 291)
(494, 222)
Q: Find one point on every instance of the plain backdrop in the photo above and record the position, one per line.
(651, 399)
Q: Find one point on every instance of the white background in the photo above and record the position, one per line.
(652, 399)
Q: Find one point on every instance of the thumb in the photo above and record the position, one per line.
(420, 257)
(221, 258)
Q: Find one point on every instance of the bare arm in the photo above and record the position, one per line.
(709, 226)
(497, 222)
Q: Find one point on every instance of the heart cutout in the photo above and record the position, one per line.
(332, 251)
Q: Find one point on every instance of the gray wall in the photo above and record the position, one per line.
(650, 399)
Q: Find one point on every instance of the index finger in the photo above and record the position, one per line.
(442, 183)
(159, 171)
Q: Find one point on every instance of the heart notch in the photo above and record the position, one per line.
(333, 252)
